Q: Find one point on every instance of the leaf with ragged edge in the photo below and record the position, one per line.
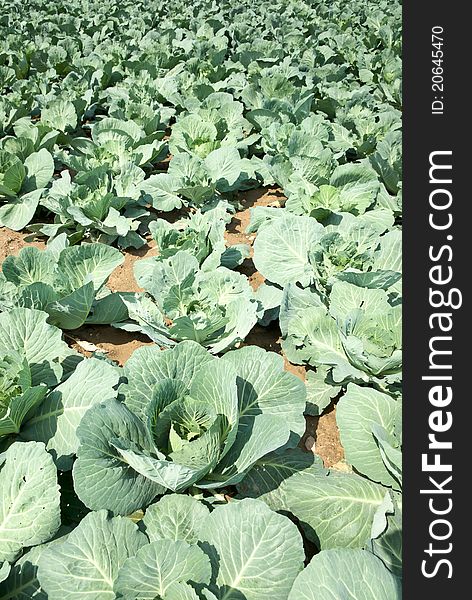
(88, 562)
(70, 312)
(19, 406)
(262, 556)
(159, 565)
(357, 411)
(320, 391)
(101, 478)
(26, 331)
(335, 509)
(343, 573)
(29, 512)
(56, 421)
(175, 517)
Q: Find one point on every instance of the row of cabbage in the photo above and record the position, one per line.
(115, 481)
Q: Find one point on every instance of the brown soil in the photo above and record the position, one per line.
(325, 435)
(11, 242)
(118, 345)
(321, 436)
(122, 278)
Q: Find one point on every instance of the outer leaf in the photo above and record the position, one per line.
(19, 212)
(356, 412)
(88, 562)
(26, 331)
(335, 510)
(223, 166)
(342, 574)
(265, 387)
(159, 565)
(56, 422)
(39, 170)
(388, 546)
(391, 455)
(101, 478)
(261, 557)
(22, 582)
(175, 517)
(29, 267)
(60, 114)
(70, 312)
(264, 480)
(180, 591)
(29, 512)
(148, 365)
(319, 391)
(282, 246)
(90, 262)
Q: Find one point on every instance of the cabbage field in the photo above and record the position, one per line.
(200, 300)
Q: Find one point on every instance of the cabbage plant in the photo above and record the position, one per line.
(357, 338)
(354, 249)
(115, 143)
(33, 360)
(216, 308)
(196, 181)
(24, 176)
(187, 418)
(216, 122)
(95, 206)
(67, 282)
(201, 235)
